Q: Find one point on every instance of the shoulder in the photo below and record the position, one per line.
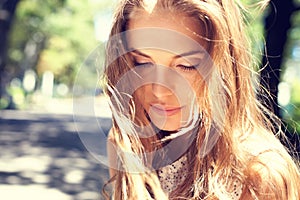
(111, 144)
(270, 171)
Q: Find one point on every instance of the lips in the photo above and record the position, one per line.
(165, 110)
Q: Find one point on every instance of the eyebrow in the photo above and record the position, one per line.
(177, 56)
(190, 53)
(139, 53)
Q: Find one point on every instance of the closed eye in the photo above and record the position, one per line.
(187, 67)
(143, 64)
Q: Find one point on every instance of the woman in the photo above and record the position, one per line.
(186, 121)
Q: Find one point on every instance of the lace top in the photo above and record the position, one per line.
(171, 176)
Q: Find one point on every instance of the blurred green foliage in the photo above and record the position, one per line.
(291, 73)
(53, 35)
(294, 119)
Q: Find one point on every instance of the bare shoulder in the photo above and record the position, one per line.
(111, 153)
(110, 134)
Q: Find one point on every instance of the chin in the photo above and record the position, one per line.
(168, 125)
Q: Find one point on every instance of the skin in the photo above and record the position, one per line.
(168, 107)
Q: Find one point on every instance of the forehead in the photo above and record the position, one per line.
(164, 31)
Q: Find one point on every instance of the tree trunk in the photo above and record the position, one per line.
(7, 11)
(277, 24)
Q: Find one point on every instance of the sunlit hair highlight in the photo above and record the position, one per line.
(246, 151)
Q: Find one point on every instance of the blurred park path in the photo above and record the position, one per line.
(43, 157)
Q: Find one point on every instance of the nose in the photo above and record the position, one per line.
(160, 91)
(162, 86)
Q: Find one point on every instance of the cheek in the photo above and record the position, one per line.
(196, 82)
(142, 94)
(140, 104)
(199, 88)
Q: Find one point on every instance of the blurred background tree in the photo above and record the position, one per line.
(52, 36)
(289, 86)
(279, 58)
(7, 11)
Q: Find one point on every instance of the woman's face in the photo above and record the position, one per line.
(171, 63)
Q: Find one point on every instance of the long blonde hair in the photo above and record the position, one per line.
(247, 151)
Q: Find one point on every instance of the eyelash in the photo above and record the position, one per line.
(182, 67)
(145, 64)
(187, 68)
